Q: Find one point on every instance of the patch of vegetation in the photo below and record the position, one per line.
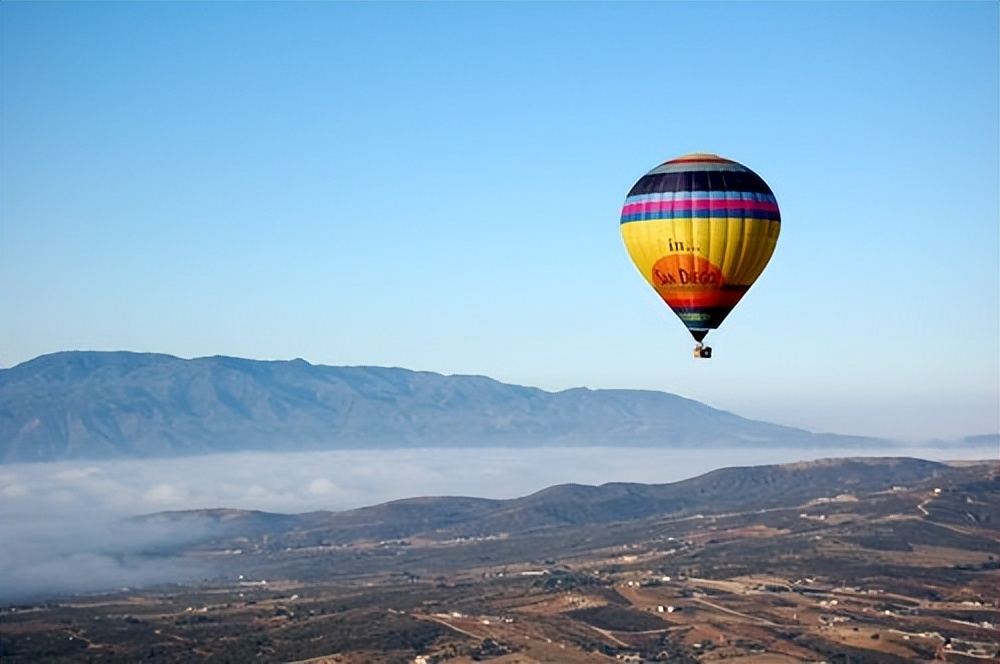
(619, 619)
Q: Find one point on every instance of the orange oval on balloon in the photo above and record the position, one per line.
(688, 280)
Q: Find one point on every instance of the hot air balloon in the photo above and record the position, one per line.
(700, 229)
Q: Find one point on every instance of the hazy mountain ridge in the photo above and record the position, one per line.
(83, 404)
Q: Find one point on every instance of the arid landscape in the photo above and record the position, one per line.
(510, 332)
(863, 560)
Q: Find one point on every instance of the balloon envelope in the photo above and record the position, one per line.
(700, 229)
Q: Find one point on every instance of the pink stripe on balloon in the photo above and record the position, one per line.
(682, 204)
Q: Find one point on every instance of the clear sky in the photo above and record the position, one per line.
(437, 186)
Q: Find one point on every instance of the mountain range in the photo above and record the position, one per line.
(99, 405)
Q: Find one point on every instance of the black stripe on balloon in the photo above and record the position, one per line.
(701, 181)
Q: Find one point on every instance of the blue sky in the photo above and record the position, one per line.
(437, 186)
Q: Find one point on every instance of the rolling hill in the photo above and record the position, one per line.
(728, 490)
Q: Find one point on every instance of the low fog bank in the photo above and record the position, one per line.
(59, 554)
(64, 526)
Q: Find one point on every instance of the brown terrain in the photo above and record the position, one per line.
(879, 561)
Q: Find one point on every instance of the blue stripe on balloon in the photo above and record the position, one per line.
(702, 196)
